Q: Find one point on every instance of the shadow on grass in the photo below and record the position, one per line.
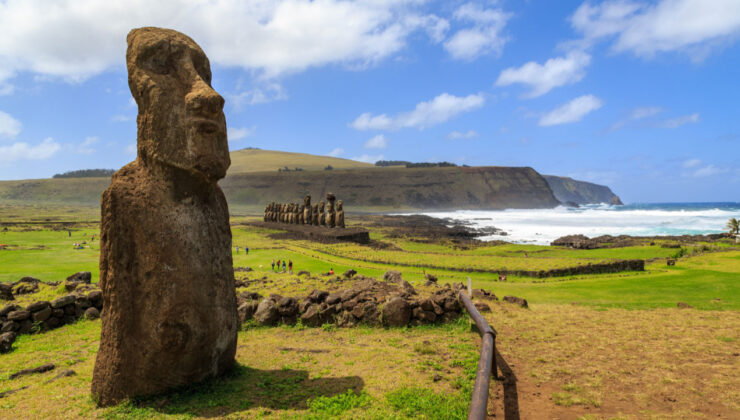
(243, 388)
(511, 396)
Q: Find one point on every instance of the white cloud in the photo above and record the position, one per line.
(691, 26)
(269, 92)
(24, 151)
(85, 147)
(572, 111)
(238, 133)
(426, 114)
(483, 37)
(691, 163)
(336, 152)
(462, 135)
(679, 121)
(368, 158)
(542, 78)
(75, 39)
(637, 114)
(9, 126)
(377, 142)
(120, 118)
(708, 170)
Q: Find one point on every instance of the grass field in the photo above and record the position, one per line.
(256, 160)
(590, 346)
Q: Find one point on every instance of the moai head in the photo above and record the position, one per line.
(339, 205)
(307, 201)
(321, 206)
(181, 123)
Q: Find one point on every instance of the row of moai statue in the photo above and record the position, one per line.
(319, 214)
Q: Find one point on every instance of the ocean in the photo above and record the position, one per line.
(542, 226)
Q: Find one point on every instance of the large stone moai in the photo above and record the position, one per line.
(322, 214)
(315, 215)
(330, 213)
(166, 272)
(340, 215)
(307, 217)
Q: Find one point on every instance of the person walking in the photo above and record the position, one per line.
(283, 266)
(290, 266)
(237, 250)
(273, 264)
(246, 250)
(278, 265)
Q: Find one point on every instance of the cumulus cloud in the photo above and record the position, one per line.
(454, 135)
(705, 171)
(269, 92)
(691, 26)
(426, 114)
(24, 151)
(679, 121)
(635, 115)
(572, 111)
(9, 126)
(542, 78)
(336, 152)
(691, 163)
(377, 142)
(85, 147)
(368, 158)
(483, 37)
(238, 133)
(79, 39)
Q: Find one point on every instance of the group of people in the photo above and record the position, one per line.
(320, 214)
(276, 265)
(246, 250)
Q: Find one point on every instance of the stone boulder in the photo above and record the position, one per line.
(6, 341)
(92, 313)
(81, 277)
(6, 292)
(517, 300)
(267, 312)
(396, 312)
(392, 276)
(166, 269)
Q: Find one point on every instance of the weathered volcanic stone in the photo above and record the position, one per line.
(42, 315)
(6, 341)
(396, 313)
(166, 271)
(63, 301)
(6, 292)
(19, 315)
(92, 313)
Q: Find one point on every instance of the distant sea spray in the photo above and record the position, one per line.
(542, 226)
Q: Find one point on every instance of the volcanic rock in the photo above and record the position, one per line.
(396, 312)
(166, 271)
(6, 341)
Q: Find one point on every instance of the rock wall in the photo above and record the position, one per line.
(569, 190)
(421, 188)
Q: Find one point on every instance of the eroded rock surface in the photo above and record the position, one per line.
(170, 315)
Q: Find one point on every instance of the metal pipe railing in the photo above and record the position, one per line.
(486, 363)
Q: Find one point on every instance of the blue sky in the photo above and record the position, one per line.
(639, 95)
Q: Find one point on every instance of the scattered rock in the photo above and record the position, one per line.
(92, 313)
(82, 277)
(310, 317)
(243, 269)
(349, 273)
(483, 294)
(6, 292)
(246, 310)
(482, 307)
(304, 273)
(437, 377)
(6, 341)
(519, 301)
(42, 315)
(396, 312)
(63, 301)
(19, 315)
(684, 305)
(39, 369)
(392, 276)
(267, 313)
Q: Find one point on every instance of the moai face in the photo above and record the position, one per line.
(181, 121)
(321, 206)
(339, 205)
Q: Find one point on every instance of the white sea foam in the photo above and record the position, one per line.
(544, 226)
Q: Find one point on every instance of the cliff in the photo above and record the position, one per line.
(418, 188)
(580, 192)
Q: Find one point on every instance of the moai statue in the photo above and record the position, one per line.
(330, 213)
(267, 212)
(315, 215)
(322, 214)
(307, 210)
(301, 212)
(291, 213)
(284, 217)
(166, 271)
(340, 215)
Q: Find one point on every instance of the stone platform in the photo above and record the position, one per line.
(319, 233)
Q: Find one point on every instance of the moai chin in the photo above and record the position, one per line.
(165, 248)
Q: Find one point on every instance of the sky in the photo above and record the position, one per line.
(642, 96)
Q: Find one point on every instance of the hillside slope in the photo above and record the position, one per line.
(257, 160)
(418, 188)
(580, 192)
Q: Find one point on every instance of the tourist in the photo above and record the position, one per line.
(237, 250)
(278, 265)
(290, 266)
(273, 264)
(283, 266)
(246, 250)
(331, 271)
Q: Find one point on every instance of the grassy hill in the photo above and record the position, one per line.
(256, 160)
